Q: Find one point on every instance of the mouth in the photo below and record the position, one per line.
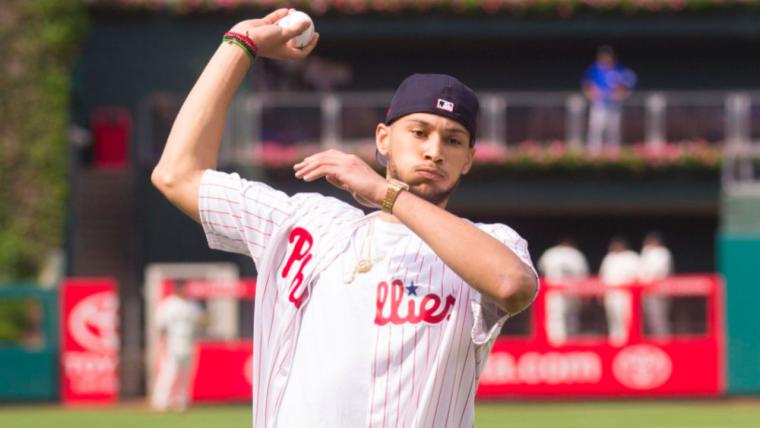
(430, 173)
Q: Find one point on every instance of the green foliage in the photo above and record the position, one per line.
(12, 320)
(38, 42)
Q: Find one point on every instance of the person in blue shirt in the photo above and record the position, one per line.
(606, 84)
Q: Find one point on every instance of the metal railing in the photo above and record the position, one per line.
(346, 119)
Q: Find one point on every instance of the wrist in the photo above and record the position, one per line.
(393, 189)
(242, 41)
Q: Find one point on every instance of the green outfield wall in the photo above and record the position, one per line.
(28, 343)
(739, 261)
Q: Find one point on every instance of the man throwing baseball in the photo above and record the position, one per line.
(376, 320)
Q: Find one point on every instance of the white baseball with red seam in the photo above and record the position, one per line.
(295, 18)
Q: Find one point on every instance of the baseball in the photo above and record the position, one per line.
(293, 18)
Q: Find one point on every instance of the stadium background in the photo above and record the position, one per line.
(135, 52)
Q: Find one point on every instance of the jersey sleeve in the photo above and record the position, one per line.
(239, 215)
(488, 317)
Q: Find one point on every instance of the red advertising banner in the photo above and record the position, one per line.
(532, 365)
(89, 341)
(674, 365)
(223, 371)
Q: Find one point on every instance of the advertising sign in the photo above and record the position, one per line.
(673, 365)
(90, 341)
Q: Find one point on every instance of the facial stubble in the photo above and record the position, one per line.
(439, 198)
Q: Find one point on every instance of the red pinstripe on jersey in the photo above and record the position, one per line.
(427, 371)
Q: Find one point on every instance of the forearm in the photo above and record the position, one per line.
(193, 143)
(482, 261)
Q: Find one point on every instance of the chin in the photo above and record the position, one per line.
(431, 194)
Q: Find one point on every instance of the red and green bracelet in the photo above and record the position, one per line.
(245, 43)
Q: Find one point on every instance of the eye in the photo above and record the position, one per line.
(454, 141)
(418, 133)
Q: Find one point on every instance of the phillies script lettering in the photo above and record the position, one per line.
(301, 253)
(429, 309)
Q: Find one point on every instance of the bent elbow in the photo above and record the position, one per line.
(162, 180)
(517, 292)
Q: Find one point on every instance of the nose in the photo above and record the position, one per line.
(433, 148)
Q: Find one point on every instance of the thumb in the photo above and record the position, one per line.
(295, 30)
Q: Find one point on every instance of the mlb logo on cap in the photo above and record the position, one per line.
(445, 105)
(437, 94)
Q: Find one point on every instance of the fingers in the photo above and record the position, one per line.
(342, 170)
(275, 16)
(320, 164)
(295, 30)
(318, 171)
(306, 50)
(314, 170)
(331, 153)
(293, 52)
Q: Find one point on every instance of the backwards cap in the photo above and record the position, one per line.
(438, 94)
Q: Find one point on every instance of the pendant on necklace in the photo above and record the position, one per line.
(364, 266)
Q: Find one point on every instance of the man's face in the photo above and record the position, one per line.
(606, 59)
(428, 152)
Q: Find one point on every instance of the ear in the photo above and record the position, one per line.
(468, 164)
(383, 138)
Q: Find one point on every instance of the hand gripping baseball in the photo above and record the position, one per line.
(347, 172)
(274, 41)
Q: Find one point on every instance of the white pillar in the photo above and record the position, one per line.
(330, 109)
(655, 105)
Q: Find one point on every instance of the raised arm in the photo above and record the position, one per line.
(193, 144)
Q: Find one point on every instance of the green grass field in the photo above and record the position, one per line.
(589, 414)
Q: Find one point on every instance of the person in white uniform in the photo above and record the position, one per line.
(620, 267)
(383, 319)
(562, 264)
(656, 265)
(178, 319)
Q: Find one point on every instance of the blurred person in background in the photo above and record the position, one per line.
(656, 264)
(606, 83)
(178, 319)
(620, 267)
(562, 264)
(345, 299)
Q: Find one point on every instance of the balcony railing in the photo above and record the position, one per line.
(302, 122)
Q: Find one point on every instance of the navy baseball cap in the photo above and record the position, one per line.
(438, 94)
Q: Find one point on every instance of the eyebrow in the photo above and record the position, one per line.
(430, 125)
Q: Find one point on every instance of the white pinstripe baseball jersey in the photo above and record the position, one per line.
(400, 346)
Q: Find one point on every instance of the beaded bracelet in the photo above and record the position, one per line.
(245, 43)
